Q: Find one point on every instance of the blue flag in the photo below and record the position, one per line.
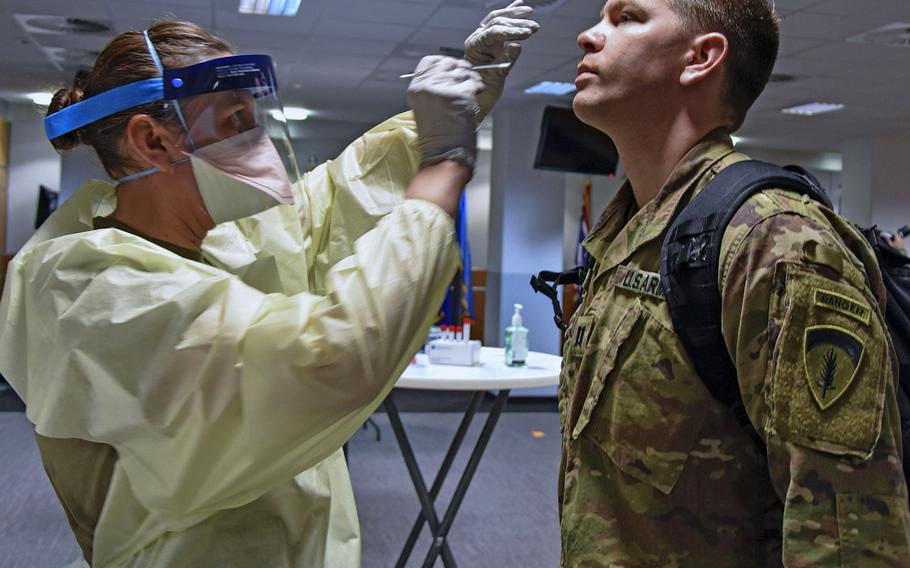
(459, 303)
(584, 227)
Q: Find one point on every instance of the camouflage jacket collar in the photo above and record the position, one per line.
(622, 229)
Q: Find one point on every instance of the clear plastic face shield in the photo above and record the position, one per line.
(235, 134)
(232, 99)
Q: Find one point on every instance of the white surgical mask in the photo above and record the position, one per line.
(237, 177)
(241, 176)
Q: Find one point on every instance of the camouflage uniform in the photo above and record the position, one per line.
(657, 473)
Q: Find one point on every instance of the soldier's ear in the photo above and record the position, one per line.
(704, 59)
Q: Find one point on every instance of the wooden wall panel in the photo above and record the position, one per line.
(4, 261)
(4, 143)
(480, 303)
(4, 181)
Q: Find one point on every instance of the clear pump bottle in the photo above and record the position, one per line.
(516, 340)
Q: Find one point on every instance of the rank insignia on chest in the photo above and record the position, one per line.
(638, 282)
(581, 333)
(832, 359)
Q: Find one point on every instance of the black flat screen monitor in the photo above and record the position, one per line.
(47, 203)
(569, 145)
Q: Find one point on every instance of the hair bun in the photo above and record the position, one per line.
(62, 99)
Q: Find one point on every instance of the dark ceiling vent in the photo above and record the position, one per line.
(781, 78)
(62, 25)
(896, 34)
(43, 29)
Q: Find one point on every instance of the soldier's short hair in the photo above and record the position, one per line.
(753, 34)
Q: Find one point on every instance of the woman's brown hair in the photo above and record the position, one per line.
(126, 59)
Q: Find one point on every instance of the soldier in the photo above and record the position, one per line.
(655, 472)
(896, 240)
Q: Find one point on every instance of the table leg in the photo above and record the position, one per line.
(439, 543)
(462, 431)
(426, 503)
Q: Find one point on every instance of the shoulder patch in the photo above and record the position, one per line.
(832, 357)
(843, 304)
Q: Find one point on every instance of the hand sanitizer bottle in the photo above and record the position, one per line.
(516, 340)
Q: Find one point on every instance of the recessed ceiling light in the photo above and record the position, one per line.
(551, 88)
(290, 113)
(270, 7)
(296, 113)
(41, 99)
(813, 109)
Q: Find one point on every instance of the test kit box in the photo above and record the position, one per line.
(461, 353)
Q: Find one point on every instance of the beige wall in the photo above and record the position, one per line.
(4, 180)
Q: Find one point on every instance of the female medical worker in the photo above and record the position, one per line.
(191, 385)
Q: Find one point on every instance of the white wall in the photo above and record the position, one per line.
(526, 227)
(891, 182)
(478, 195)
(33, 162)
(317, 141)
(876, 181)
(77, 167)
(826, 166)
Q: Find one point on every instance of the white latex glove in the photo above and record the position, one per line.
(443, 96)
(493, 42)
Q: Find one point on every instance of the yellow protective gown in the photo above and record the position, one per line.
(228, 389)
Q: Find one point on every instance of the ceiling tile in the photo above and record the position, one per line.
(439, 36)
(825, 26)
(794, 5)
(332, 61)
(313, 45)
(382, 11)
(896, 9)
(793, 45)
(463, 19)
(129, 4)
(582, 9)
(141, 16)
(82, 9)
(357, 30)
(552, 46)
(400, 65)
(562, 27)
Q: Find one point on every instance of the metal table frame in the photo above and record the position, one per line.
(440, 529)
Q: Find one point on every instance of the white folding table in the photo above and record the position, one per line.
(492, 374)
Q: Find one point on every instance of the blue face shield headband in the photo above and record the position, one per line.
(254, 74)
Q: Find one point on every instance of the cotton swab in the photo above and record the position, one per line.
(477, 68)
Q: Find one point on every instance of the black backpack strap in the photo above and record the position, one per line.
(547, 283)
(690, 264)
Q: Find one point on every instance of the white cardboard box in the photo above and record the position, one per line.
(463, 353)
